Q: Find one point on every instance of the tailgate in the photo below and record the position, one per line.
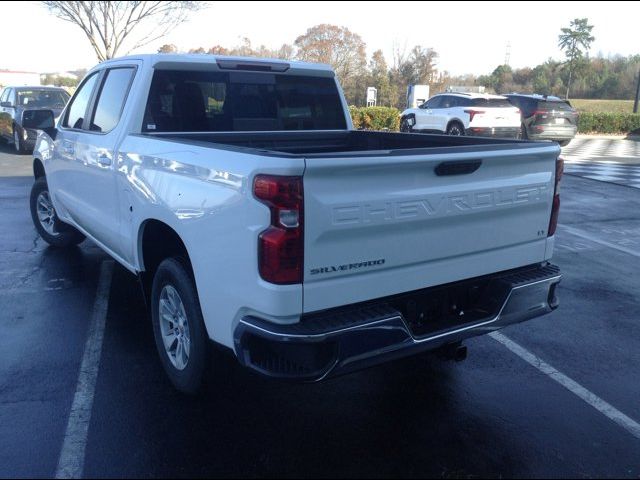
(498, 117)
(382, 225)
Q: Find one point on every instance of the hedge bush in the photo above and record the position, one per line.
(375, 118)
(601, 122)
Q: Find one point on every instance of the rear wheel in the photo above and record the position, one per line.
(564, 143)
(52, 230)
(456, 129)
(178, 326)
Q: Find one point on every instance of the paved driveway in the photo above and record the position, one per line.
(557, 396)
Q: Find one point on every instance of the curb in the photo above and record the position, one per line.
(608, 137)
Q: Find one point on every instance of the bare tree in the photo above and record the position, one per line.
(117, 26)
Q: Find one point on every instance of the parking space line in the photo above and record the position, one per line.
(588, 236)
(71, 460)
(592, 399)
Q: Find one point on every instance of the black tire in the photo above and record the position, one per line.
(455, 129)
(18, 143)
(404, 125)
(523, 133)
(564, 143)
(175, 273)
(54, 231)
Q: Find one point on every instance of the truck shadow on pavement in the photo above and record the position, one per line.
(406, 416)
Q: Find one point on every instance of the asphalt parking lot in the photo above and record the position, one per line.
(554, 397)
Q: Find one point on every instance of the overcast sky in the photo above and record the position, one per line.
(469, 37)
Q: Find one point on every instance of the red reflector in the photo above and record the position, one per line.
(281, 246)
(473, 113)
(281, 255)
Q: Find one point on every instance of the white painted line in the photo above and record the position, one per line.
(593, 238)
(71, 460)
(592, 399)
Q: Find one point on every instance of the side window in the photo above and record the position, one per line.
(111, 100)
(5, 95)
(448, 101)
(434, 102)
(78, 107)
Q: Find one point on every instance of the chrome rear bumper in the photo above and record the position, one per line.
(342, 340)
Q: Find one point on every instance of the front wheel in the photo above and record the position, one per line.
(17, 141)
(406, 124)
(564, 143)
(52, 230)
(178, 326)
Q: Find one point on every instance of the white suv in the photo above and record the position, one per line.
(464, 114)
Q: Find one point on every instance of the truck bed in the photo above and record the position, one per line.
(339, 143)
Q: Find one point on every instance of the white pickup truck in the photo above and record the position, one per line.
(255, 216)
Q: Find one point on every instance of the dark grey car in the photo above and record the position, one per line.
(546, 118)
(14, 101)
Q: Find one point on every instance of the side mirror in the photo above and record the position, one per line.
(38, 119)
(6, 104)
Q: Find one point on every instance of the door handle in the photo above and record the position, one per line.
(457, 168)
(104, 160)
(68, 149)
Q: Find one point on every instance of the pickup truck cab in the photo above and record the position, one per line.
(255, 216)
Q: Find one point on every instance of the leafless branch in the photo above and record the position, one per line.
(118, 27)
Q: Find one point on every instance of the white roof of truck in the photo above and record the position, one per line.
(207, 59)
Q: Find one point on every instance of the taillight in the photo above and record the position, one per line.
(473, 113)
(281, 246)
(555, 208)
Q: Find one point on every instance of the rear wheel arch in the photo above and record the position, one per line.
(156, 241)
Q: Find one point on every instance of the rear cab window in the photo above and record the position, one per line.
(197, 101)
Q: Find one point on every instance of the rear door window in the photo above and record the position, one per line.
(449, 101)
(192, 101)
(111, 100)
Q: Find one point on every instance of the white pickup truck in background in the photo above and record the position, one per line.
(255, 216)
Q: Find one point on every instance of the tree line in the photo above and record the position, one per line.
(602, 78)
(345, 51)
(596, 77)
(114, 28)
